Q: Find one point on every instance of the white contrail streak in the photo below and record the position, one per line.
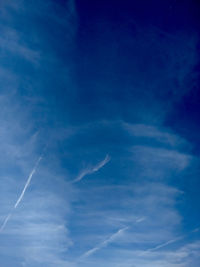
(162, 245)
(165, 244)
(22, 194)
(27, 183)
(104, 243)
(171, 241)
(92, 169)
(5, 222)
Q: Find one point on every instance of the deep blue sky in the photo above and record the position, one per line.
(99, 131)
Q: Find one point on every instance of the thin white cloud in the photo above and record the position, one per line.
(164, 159)
(92, 169)
(196, 230)
(22, 194)
(140, 219)
(161, 135)
(104, 243)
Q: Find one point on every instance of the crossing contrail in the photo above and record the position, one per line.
(22, 194)
(104, 243)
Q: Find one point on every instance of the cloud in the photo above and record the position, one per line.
(59, 221)
(9, 42)
(185, 255)
(38, 232)
(171, 241)
(93, 169)
(158, 162)
(140, 198)
(136, 206)
(154, 133)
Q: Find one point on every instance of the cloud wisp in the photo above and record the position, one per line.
(22, 194)
(92, 169)
(104, 243)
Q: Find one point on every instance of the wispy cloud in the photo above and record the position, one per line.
(38, 231)
(155, 133)
(140, 219)
(92, 169)
(112, 238)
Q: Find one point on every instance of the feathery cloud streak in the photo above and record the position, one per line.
(92, 169)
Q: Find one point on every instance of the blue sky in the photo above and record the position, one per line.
(99, 132)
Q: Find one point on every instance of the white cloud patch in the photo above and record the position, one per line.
(162, 136)
(158, 162)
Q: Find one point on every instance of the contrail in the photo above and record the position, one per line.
(92, 169)
(22, 194)
(104, 243)
(165, 244)
(28, 182)
(171, 241)
(5, 222)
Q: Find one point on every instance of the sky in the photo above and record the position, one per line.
(99, 133)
